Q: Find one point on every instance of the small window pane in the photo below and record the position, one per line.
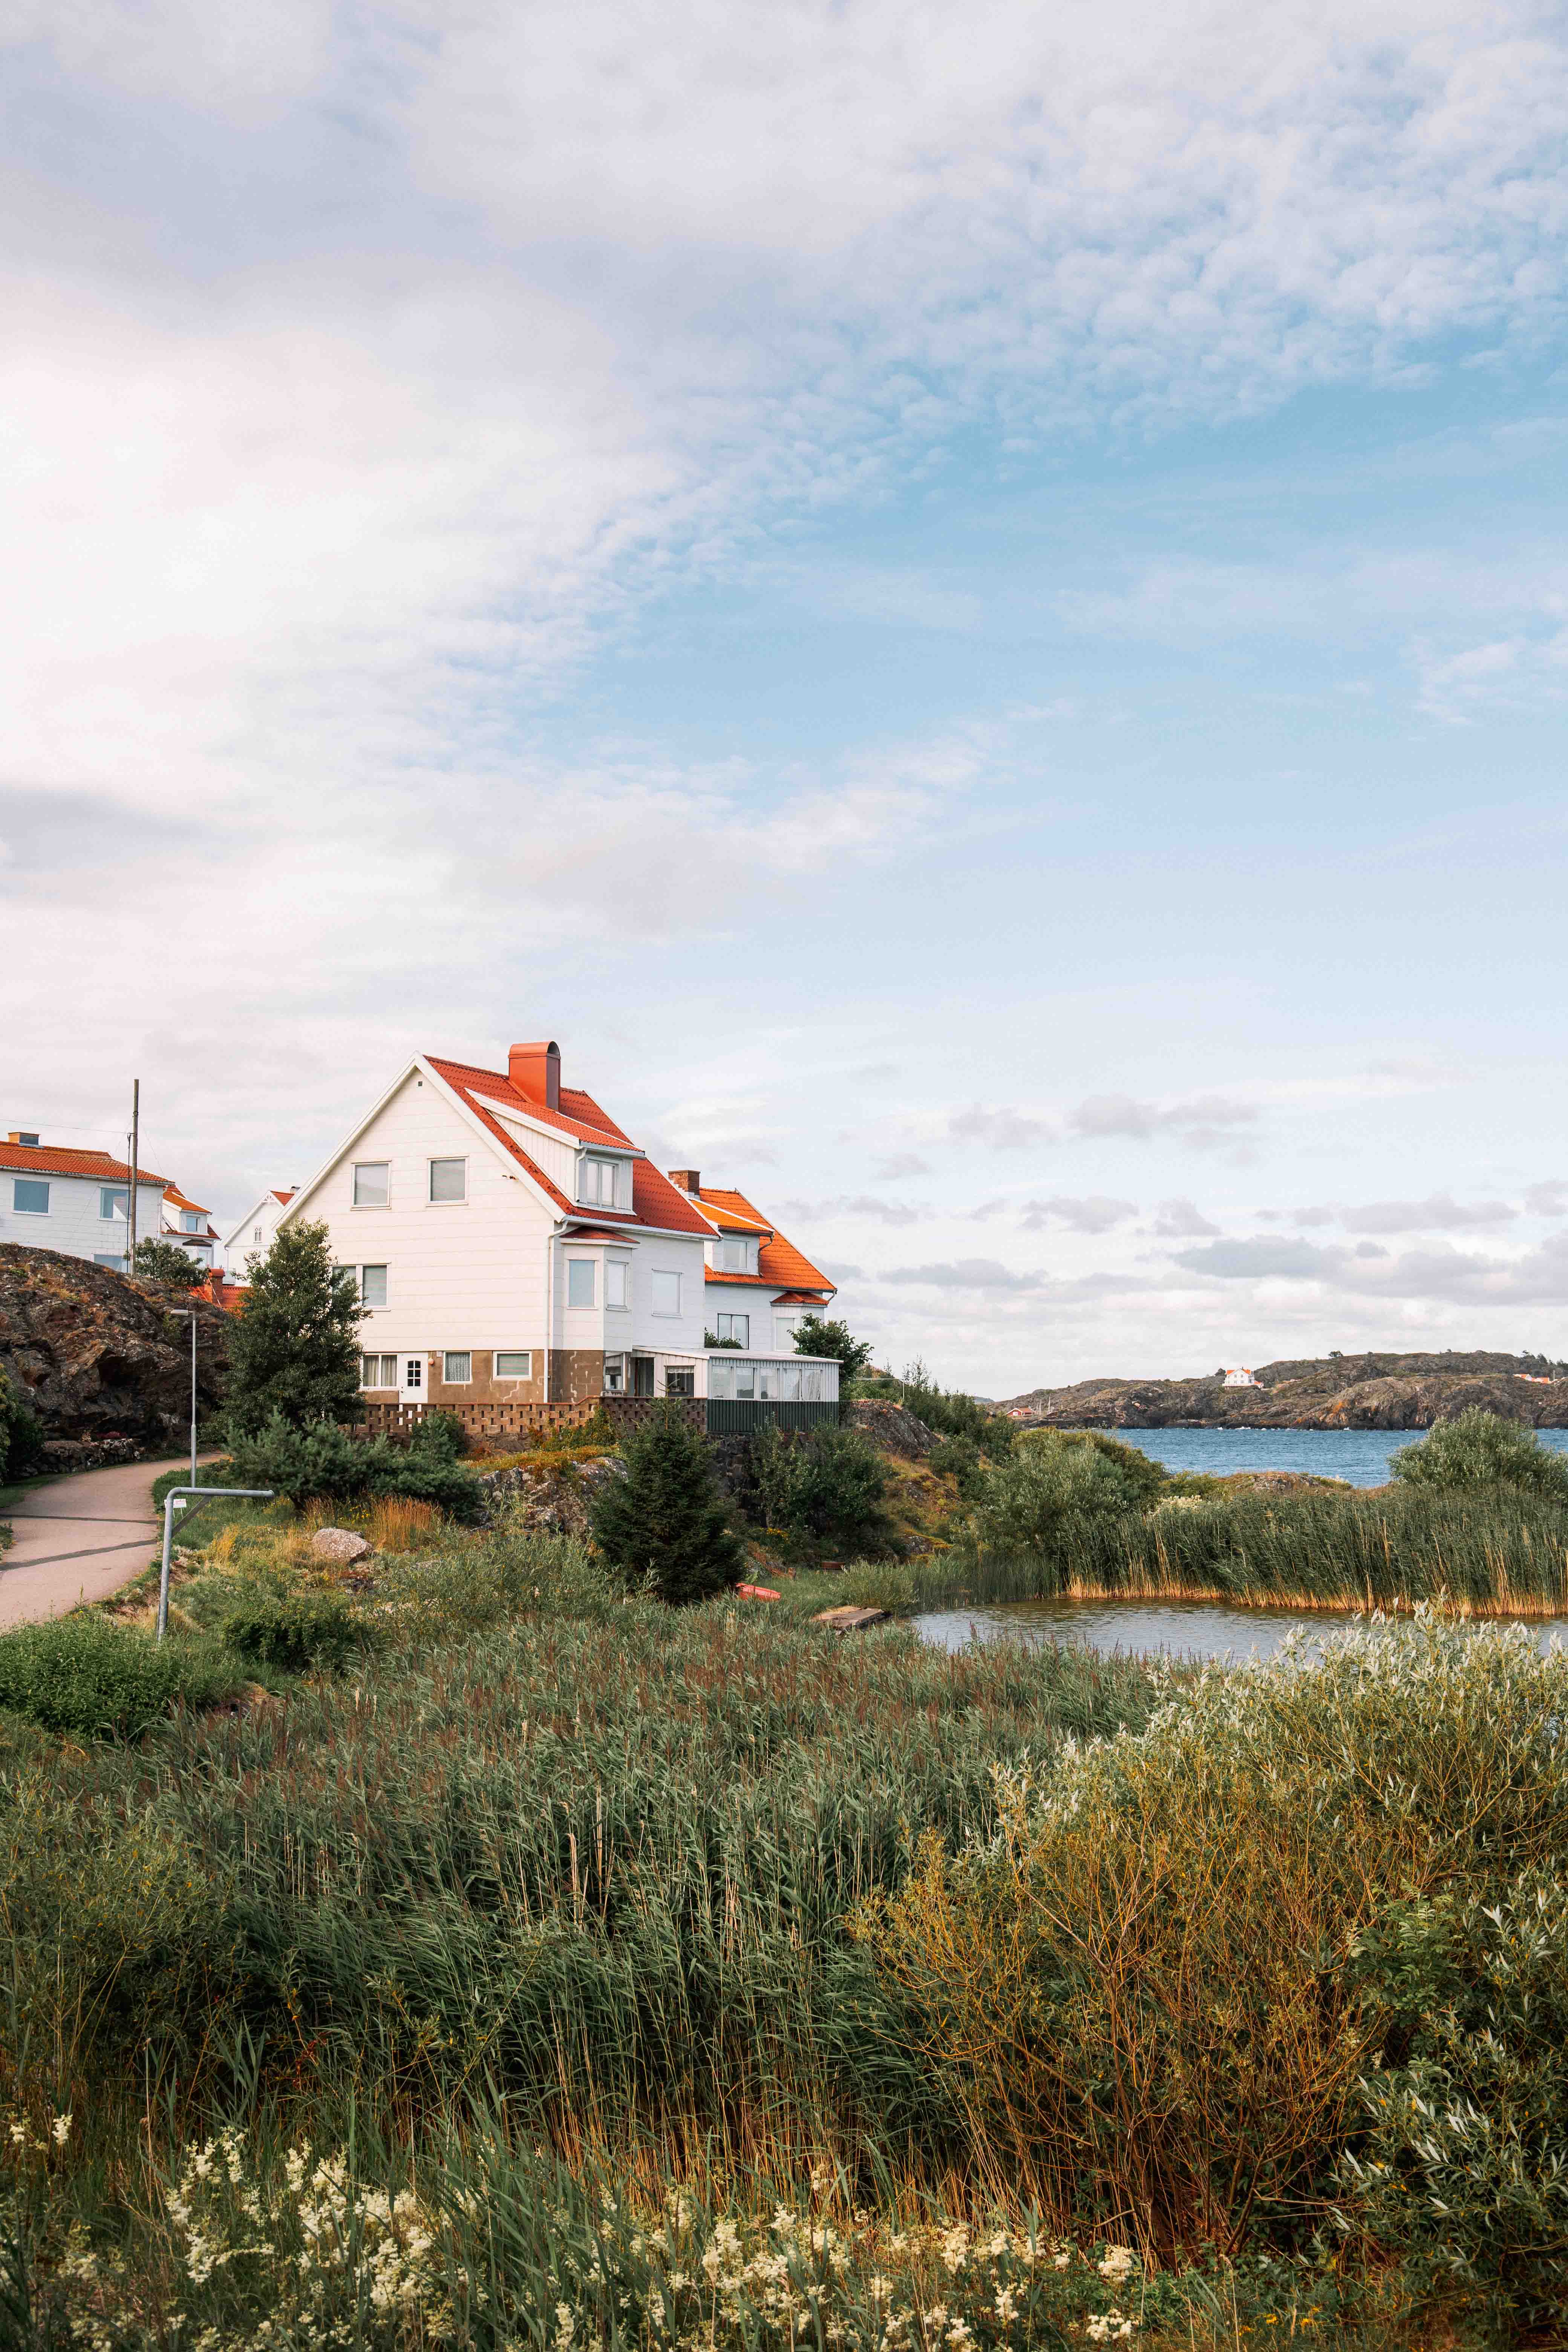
(113, 1200)
(373, 1285)
(736, 1326)
(30, 1197)
(458, 1365)
(679, 1380)
(109, 1257)
(721, 1378)
(579, 1281)
(370, 1371)
(371, 1189)
(413, 1371)
(746, 1381)
(615, 1284)
(256, 1233)
(614, 1375)
(514, 1363)
(448, 1180)
(667, 1294)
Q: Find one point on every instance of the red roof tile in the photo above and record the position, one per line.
(777, 1260)
(578, 1116)
(55, 1160)
(172, 1195)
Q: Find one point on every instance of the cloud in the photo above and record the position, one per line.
(1179, 1220)
(1003, 1130)
(1235, 1261)
(860, 1205)
(1438, 1214)
(1095, 1214)
(1199, 1122)
(967, 1273)
(899, 1164)
(1548, 1200)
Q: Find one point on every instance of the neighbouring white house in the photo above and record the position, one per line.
(189, 1226)
(512, 1243)
(758, 1287)
(1238, 1376)
(52, 1197)
(252, 1236)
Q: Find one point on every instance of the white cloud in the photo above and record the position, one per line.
(1181, 1220)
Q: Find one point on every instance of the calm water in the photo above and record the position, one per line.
(1186, 1629)
(1359, 1456)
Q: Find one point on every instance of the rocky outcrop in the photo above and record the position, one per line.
(892, 1428)
(98, 1358)
(553, 1499)
(1370, 1391)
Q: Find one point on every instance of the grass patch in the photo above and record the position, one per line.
(87, 1676)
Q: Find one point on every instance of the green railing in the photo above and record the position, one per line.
(740, 1416)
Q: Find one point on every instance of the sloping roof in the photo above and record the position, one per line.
(176, 1200)
(778, 1260)
(283, 1199)
(55, 1160)
(655, 1199)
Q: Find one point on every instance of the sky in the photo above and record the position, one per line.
(969, 606)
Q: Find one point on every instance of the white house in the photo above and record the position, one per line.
(1238, 1376)
(252, 1236)
(188, 1225)
(79, 1202)
(758, 1287)
(512, 1244)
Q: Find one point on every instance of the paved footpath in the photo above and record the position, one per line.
(79, 1538)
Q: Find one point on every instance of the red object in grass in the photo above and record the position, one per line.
(757, 1592)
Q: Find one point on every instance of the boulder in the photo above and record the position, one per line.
(892, 1427)
(340, 1546)
(99, 1359)
(848, 1620)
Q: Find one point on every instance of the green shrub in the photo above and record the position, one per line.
(21, 1433)
(296, 1630)
(438, 1437)
(84, 1675)
(1481, 1449)
(825, 1487)
(949, 1412)
(665, 1523)
(1053, 1487)
(166, 1262)
(322, 1462)
(821, 1335)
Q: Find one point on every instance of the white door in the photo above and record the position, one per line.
(411, 1376)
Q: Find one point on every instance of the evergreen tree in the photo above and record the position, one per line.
(666, 1518)
(294, 1349)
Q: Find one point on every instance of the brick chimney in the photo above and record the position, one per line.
(535, 1071)
(688, 1179)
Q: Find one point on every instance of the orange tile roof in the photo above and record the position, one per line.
(655, 1201)
(55, 1160)
(777, 1260)
(172, 1195)
(283, 1199)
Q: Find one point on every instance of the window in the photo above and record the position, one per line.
(448, 1180)
(598, 1182)
(373, 1285)
(736, 1326)
(109, 1257)
(456, 1366)
(371, 1187)
(256, 1233)
(614, 1375)
(734, 1256)
(29, 1198)
(190, 1221)
(642, 1376)
(579, 1282)
(667, 1294)
(379, 1372)
(679, 1380)
(413, 1372)
(616, 1282)
(514, 1363)
(114, 1201)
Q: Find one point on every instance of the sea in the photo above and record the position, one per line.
(1359, 1456)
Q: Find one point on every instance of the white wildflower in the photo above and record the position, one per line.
(62, 2129)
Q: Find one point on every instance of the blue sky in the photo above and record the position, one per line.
(972, 613)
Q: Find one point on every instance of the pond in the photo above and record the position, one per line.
(1183, 1629)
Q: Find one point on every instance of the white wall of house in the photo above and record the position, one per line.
(646, 1323)
(252, 1238)
(459, 1273)
(768, 1330)
(74, 1221)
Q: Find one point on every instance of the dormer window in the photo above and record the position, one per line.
(597, 1182)
(732, 1255)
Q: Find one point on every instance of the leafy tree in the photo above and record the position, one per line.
(824, 1487)
(1481, 1449)
(294, 1348)
(165, 1262)
(1034, 1500)
(814, 1335)
(666, 1520)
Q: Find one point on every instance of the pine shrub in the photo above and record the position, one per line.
(294, 1348)
(666, 1522)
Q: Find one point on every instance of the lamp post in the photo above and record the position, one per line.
(190, 1313)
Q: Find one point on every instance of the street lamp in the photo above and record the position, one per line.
(190, 1313)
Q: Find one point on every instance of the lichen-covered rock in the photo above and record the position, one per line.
(892, 1427)
(553, 1498)
(340, 1546)
(98, 1358)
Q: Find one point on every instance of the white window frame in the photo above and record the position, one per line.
(109, 1257)
(381, 1361)
(366, 1165)
(386, 1278)
(16, 1185)
(602, 1169)
(256, 1230)
(582, 1306)
(460, 1200)
(616, 1276)
(671, 1314)
(527, 1355)
(451, 1379)
(743, 1336)
(116, 1194)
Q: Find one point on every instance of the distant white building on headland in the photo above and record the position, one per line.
(1238, 1376)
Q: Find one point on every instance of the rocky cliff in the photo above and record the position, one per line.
(99, 1359)
(1369, 1392)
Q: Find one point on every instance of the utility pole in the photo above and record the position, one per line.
(135, 1145)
